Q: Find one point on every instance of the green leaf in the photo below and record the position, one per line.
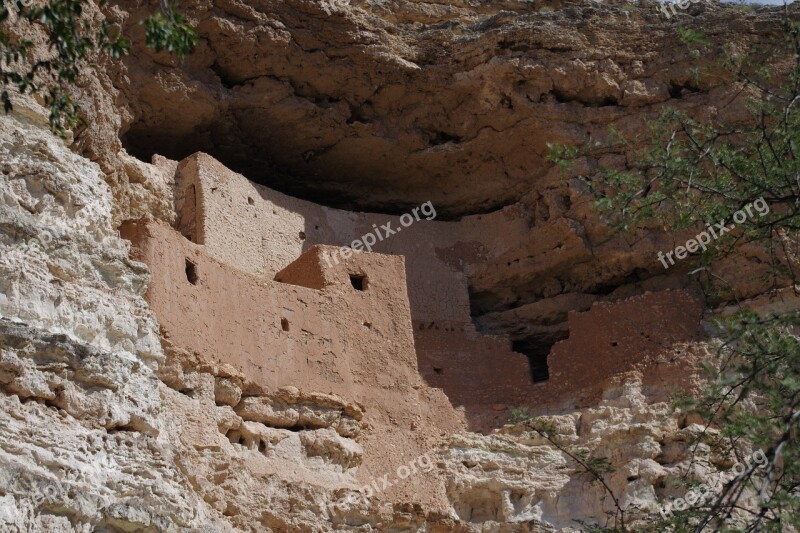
(169, 30)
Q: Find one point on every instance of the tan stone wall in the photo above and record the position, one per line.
(355, 344)
(637, 333)
(336, 338)
(263, 232)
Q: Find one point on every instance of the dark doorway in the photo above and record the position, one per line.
(537, 358)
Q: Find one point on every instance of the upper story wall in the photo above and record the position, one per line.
(261, 231)
(352, 333)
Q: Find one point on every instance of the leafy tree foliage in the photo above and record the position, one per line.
(168, 30)
(690, 173)
(73, 41)
(755, 399)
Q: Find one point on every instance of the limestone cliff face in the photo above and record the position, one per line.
(90, 437)
(107, 425)
(386, 105)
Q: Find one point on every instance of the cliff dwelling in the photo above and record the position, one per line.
(246, 279)
(348, 266)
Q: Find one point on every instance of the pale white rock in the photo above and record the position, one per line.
(63, 267)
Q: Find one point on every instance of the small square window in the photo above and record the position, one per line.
(358, 282)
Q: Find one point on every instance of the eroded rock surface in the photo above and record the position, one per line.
(385, 105)
(102, 429)
(90, 437)
(382, 106)
(104, 425)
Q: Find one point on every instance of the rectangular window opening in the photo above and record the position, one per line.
(539, 369)
(358, 281)
(191, 272)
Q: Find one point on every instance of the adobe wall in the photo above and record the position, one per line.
(262, 232)
(333, 339)
(642, 333)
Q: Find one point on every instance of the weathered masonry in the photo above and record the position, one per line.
(245, 280)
